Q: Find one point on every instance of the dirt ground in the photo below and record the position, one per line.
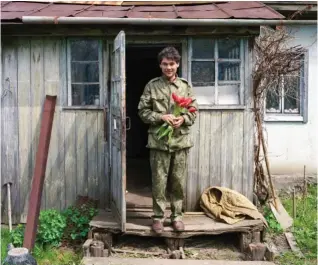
(221, 247)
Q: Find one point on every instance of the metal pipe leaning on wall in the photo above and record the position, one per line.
(158, 22)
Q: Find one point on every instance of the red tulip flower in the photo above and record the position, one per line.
(192, 109)
(181, 106)
(186, 102)
(176, 98)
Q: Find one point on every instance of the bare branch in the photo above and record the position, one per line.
(276, 74)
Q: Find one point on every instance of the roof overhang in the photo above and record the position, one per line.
(158, 22)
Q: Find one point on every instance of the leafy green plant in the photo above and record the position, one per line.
(17, 235)
(77, 219)
(305, 223)
(51, 227)
(274, 226)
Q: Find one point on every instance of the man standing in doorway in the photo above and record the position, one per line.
(168, 161)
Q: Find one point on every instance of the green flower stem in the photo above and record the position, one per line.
(166, 129)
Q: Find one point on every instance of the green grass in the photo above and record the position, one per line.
(44, 255)
(304, 228)
(5, 240)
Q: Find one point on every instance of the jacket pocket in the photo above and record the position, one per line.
(153, 129)
(184, 130)
(159, 104)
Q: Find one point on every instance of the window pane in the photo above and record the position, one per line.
(273, 100)
(202, 73)
(291, 94)
(84, 50)
(229, 49)
(229, 71)
(202, 48)
(85, 95)
(85, 72)
(229, 94)
(205, 95)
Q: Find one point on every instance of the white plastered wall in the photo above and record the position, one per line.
(291, 145)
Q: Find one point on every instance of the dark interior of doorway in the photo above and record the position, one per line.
(141, 66)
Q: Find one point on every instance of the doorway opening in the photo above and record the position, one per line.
(141, 66)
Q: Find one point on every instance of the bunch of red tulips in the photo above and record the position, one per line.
(181, 106)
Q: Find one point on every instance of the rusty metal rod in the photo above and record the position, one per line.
(39, 172)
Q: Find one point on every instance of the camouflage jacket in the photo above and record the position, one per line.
(156, 101)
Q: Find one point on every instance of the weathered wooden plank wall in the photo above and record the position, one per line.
(222, 146)
(76, 161)
(9, 129)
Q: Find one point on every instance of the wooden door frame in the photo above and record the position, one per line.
(183, 41)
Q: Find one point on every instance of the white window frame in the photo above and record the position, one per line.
(69, 72)
(302, 116)
(242, 60)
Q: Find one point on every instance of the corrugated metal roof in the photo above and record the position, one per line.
(13, 11)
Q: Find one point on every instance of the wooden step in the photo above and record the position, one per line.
(139, 223)
(152, 261)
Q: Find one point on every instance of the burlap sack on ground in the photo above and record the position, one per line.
(221, 203)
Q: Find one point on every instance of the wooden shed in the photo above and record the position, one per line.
(97, 58)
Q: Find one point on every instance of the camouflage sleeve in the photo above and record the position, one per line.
(145, 111)
(189, 118)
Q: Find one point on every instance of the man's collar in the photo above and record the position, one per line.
(176, 81)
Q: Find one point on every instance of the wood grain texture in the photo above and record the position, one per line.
(194, 225)
(221, 155)
(70, 157)
(237, 151)
(52, 182)
(193, 176)
(81, 153)
(103, 165)
(79, 156)
(92, 154)
(61, 98)
(37, 98)
(215, 148)
(9, 129)
(204, 154)
(24, 102)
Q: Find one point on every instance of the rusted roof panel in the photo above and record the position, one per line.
(256, 13)
(213, 10)
(169, 15)
(197, 8)
(112, 14)
(203, 14)
(109, 8)
(12, 15)
(153, 8)
(22, 6)
(240, 5)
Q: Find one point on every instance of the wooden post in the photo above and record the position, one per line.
(245, 240)
(97, 249)
(256, 237)
(271, 252)
(86, 248)
(260, 131)
(294, 204)
(174, 243)
(257, 251)
(305, 183)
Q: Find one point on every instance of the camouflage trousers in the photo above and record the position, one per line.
(168, 174)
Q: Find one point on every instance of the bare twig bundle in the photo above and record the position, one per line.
(276, 63)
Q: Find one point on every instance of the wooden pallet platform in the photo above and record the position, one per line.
(139, 223)
(144, 261)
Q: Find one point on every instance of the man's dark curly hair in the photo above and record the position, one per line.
(170, 53)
